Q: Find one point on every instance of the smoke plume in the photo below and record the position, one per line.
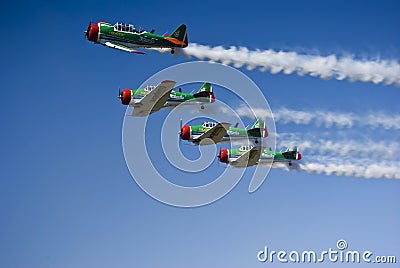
(325, 67)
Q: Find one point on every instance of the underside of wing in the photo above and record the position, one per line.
(122, 47)
(214, 135)
(250, 158)
(154, 100)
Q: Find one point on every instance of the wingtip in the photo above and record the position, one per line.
(168, 81)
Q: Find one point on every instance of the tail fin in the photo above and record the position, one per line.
(258, 129)
(206, 87)
(181, 35)
(290, 149)
(205, 91)
(292, 153)
(258, 124)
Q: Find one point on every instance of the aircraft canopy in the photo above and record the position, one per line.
(245, 148)
(209, 124)
(124, 27)
(149, 88)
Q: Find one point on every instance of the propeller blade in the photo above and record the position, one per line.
(88, 29)
(119, 93)
(180, 128)
(179, 133)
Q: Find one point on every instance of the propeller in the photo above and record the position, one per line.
(180, 131)
(88, 29)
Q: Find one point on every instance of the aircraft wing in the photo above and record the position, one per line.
(215, 134)
(250, 158)
(122, 47)
(154, 100)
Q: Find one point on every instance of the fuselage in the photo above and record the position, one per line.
(267, 156)
(192, 133)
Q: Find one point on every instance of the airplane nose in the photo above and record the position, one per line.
(298, 156)
(92, 32)
(185, 133)
(125, 96)
(223, 155)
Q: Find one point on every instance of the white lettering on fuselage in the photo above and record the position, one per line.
(268, 155)
(146, 40)
(176, 97)
(233, 132)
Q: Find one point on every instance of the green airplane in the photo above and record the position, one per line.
(248, 155)
(126, 37)
(150, 99)
(212, 132)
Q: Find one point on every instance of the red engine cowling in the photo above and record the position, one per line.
(223, 155)
(126, 96)
(298, 156)
(93, 33)
(185, 133)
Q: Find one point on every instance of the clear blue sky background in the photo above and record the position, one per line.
(67, 198)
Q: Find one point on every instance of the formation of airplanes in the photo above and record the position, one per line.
(150, 99)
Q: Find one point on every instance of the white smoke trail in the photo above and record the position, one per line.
(365, 149)
(342, 120)
(319, 117)
(377, 170)
(376, 71)
(324, 118)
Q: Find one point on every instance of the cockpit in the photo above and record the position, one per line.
(245, 148)
(149, 88)
(124, 27)
(209, 124)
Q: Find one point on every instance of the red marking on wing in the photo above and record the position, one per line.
(137, 51)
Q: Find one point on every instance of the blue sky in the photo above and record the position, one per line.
(67, 198)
